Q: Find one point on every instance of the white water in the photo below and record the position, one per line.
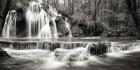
(38, 26)
(37, 22)
(9, 29)
(76, 54)
(46, 60)
(77, 58)
(68, 27)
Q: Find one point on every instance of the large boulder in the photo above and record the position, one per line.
(61, 26)
(98, 49)
(3, 54)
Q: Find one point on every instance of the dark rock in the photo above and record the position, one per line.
(99, 49)
(118, 33)
(77, 31)
(68, 46)
(61, 26)
(3, 54)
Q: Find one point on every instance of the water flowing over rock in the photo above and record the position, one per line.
(77, 54)
(83, 53)
(9, 29)
(37, 21)
(100, 48)
(40, 22)
(43, 21)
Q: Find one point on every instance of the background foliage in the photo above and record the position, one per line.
(94, 17)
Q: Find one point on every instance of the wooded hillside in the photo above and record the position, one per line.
(93, 17)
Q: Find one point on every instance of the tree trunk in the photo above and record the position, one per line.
(97, 4)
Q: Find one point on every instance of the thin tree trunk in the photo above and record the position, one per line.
(97, 4)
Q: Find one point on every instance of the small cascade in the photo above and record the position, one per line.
(121, 47)
(49, 33)
(72, 51)
(51, 46)
(9, 29)
(65, 51)
(68, 27)
(99, 48)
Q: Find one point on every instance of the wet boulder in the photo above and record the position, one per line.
(61, 52)
(3, 54)
(98, 49)
(77, 54)
(62, 27)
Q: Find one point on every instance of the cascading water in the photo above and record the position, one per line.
(9, 29)
(54, 54)
(37, 22)
(71, 51)
(68, 27)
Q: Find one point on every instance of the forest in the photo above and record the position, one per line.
(88, 18)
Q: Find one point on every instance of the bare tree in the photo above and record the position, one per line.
(96, 4)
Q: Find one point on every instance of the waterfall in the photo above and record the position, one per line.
(37, 22)
(68, 27)
(37, 19)
(9, 29)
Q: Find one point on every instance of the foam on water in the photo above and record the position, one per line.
(77, 54)
(74, 58)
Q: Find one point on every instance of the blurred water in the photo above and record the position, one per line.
(40, 22)
(10, 22)
(45, 60)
